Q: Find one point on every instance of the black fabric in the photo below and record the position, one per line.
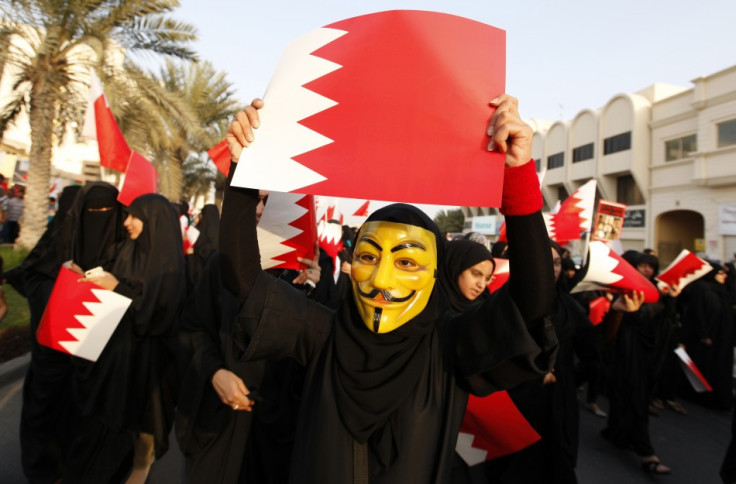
(46, 412)
(207, 243)
(376, 373)
(99, 225)
(212, 436)
(131, 387)
(459, 256)
(419, 436)
(44, 257)
(708, 315)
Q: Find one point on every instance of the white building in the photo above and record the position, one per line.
(667, 152)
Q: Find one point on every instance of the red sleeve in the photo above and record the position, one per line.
(521, 193)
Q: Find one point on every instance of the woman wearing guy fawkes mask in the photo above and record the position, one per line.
(388, 373)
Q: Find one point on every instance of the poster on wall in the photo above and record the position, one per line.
(727, 219)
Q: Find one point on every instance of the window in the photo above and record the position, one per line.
(538, 162)
(677, 149)
(582, 153)
(614, 144)
(562, 193)
(627, 192)
(727, 133)
(556, 160)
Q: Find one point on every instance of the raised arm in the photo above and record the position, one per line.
(531, 280)
(240, 260)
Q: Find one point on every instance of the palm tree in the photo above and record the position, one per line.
(210, 95)
(51, 44)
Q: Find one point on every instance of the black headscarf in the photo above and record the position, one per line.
(374, 373)
(153, 265)
(459, 256)
(97, 221)
(209, 232)
(47, 255)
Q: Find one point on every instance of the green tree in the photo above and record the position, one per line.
(450, 220)
(51, 45)
(210, 96)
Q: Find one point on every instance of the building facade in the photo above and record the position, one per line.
(667, 152)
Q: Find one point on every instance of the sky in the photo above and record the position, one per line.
(563, 56)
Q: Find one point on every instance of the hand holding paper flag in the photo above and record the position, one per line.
(324, 118)
(80, 317)
(686, 268)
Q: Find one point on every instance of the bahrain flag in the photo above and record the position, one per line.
(386, 106)
(220, 156)
(287, 230)
(80, 317)
(696, 379)
(362, 210)
(140, 178)
(493, 427)
(608, 271)
(686, 268)
(500, 274)
(99, 123)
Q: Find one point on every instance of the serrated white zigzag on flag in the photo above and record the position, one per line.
(691, 273)
(98, 326)
(602, 264)
(464, 447)
(281, 135)
(275, 227)
(584, 199)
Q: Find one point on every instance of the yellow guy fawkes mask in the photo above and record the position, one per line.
(394, 267)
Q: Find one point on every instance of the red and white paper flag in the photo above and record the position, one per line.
(80, 317)
(362, 210)
(608, 271)
(141, 178)
(597, 309)
(100, 124)
(696, 379)
(493, 427)
(220, 156)
(500, 274)
(581, 204)
(324, 128)
(686, 268)
(287, 230)
(562, 227)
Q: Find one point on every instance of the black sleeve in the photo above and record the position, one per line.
(531, 276)
(240, 260)
(281, 321)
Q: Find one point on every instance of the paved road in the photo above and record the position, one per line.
(692, 445)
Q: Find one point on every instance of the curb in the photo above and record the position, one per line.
(14, 369)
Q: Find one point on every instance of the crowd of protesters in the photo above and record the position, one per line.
(295, 376)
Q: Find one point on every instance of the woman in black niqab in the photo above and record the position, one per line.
(87, 232)
(126, 397)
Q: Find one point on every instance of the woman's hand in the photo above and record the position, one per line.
(549, 378)
(231, 390)
(240, 133)
(509, 134)
(313, 272)
(105, 280)
(629, 304)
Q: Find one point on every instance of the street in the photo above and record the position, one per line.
(692, 445)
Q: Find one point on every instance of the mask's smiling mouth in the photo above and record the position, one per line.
(380, 296)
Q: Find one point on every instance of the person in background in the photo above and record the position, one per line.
(11, 227)
(125, 400)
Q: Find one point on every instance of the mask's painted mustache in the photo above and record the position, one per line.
(386, 295)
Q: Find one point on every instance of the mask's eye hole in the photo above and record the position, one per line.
(407, 264)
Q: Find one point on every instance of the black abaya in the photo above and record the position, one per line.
(130, 389)
(415, 434)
